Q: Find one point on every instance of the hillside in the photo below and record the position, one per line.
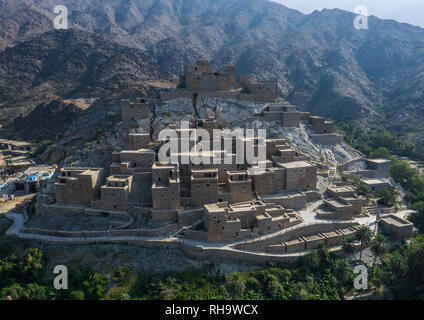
(70, 64)
(323, 64)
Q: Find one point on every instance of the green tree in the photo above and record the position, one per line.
(236, 285)
(388, 196)
(381, 152)
(349, 246)
(364, 235)
(95, 286)
(378, 247)
(77, 295)
(363, 190)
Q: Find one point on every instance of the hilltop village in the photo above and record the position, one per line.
(216, 209)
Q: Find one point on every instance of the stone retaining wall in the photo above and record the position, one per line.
(297, 232)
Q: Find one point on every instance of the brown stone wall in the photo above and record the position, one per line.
(138, 140)
(204, 192)
(240, 191)
(114, 198)
(138, 159)
(131, 112)
(263, 183)
(166, 198)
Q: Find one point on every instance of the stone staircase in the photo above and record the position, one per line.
(374, 209)
(371, 210)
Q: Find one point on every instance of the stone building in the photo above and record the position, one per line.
(342, 203)
(376, 185)
(201, 81)
(348, 195)
(259, 90)
(166, 195)
(138, 141)
(381, 167)
(223, 222)
(320, 125)
(132, 161)
(15, 155)
(287, 114)
(204, 186)
(335, 208)
(240, 186)
(78, 186)
(133, 111)
(397, 227)
(299, 175)
(115, 194)
(200, 77)
(21, 147)
(369, 169)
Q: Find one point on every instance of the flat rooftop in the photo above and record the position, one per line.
(139, 151)
(337, 203)
(313, 237)
(341, 189)
(118, 178)
(331, 234)
(378, 160)
(296, 164)
(211, 170)
(394, 220)
(374, 181)
(295, 241)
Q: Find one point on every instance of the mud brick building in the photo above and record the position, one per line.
(133, 111)
(115, 194)
(78, 186)
(201, 81)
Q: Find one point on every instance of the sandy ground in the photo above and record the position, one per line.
(10, 205)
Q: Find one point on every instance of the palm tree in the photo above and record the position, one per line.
(364, 235)
(313, 260)
(378, 247)
(323, 252)
(349, 246)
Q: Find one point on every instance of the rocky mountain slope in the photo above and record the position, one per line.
(70, 64)
(323, 64)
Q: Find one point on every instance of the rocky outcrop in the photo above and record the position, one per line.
(237, 114)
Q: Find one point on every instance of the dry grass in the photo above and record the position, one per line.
(10, 205)
(80, 103)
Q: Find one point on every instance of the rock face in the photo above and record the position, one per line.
(236, 114)
(70, 64)
(46, 121)
(322, 63)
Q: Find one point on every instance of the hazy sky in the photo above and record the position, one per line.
(410, 11)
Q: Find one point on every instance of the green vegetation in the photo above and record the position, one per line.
(387, 197)
(364, 236)
(361, 188)
(402, 270)
(318, 275)
(378, 142)
(40, 147)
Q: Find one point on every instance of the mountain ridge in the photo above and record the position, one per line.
(323, 64)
